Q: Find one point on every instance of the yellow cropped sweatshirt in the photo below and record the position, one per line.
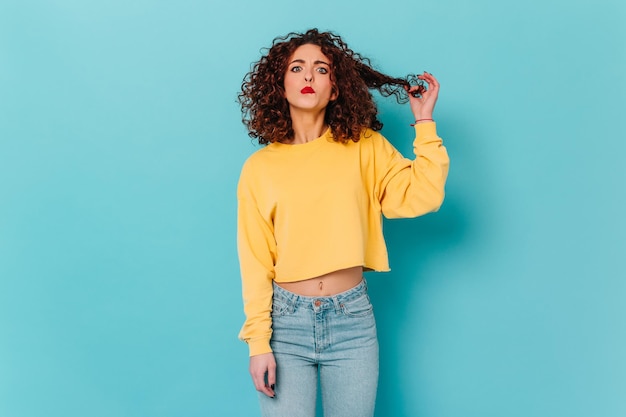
(309, 209)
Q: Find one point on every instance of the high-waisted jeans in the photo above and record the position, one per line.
(327, 339)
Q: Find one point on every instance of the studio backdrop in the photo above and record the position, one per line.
(120, 148)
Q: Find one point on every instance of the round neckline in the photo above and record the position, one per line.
(312, 143)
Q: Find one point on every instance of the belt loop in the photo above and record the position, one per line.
(337, 304)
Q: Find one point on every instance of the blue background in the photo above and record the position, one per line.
(120, 148)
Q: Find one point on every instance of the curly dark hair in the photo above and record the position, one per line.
(265, 111)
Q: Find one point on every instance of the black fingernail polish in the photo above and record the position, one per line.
(273, 386)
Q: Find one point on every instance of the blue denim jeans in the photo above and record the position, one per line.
(330, 340)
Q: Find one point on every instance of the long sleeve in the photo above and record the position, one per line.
(257, 255)
(408, 188)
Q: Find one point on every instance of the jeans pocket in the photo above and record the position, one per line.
(359, 307)
(279, 307)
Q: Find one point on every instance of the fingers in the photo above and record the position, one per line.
(429, 78)
(271, 375)
(423, 104)
(427, 81)
(258, 378)
(433, 84)
(416, 91)
(263, 373)
(422, 91)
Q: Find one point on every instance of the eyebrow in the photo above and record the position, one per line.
(301, 61)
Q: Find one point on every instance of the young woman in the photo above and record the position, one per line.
(309, 218)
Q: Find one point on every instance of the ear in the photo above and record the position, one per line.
(334, 93)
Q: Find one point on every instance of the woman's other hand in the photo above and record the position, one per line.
(263, 372)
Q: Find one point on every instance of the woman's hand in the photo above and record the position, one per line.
(423, 107)
(263, 372)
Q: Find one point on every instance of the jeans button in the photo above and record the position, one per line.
(317, 303)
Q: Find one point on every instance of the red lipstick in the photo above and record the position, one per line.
(307, 90)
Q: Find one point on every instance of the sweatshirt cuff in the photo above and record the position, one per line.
(259, 346)
(425, 129)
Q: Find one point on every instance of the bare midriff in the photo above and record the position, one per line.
(326, 285)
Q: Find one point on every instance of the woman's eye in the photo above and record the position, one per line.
(322, 70)
(296, 69)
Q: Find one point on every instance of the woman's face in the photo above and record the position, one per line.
(308, 86)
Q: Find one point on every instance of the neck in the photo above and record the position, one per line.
(307, 126)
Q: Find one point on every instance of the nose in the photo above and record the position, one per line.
(308, 76)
